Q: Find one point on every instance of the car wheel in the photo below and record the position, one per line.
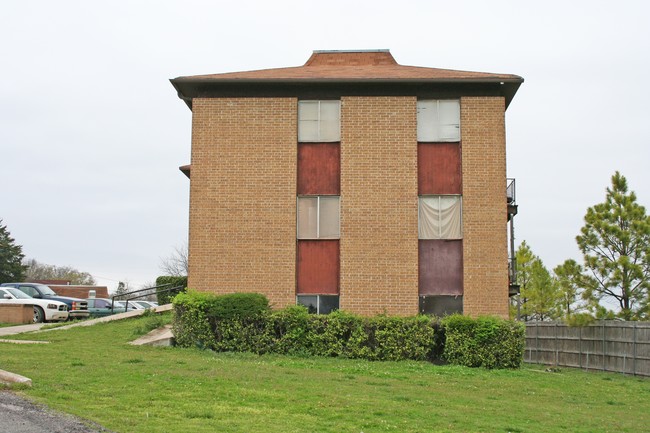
(39, 315)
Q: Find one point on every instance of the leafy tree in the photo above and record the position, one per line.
(42, 271)
(539, 294)
(11, 257)
(615, 243)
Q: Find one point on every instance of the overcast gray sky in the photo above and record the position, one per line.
(92, 132)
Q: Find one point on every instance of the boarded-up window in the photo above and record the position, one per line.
(318, 217)
(440, 217)
(440, 267)
(319, 169)
(439, 169)
(438, 120)
(319, 121)
(317, 267)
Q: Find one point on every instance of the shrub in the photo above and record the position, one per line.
(166, 297)
(291, 330)
(243, 322)
(216, 322)
(488, 342)
(191, 326)
(237, 306)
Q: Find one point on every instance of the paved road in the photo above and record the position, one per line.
(18, 415)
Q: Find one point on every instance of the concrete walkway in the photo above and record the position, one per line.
(11, 330)
(128, 314)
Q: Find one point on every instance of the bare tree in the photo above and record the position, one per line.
(176, 264)
(42, 271)
(121, 290)
(149, 295)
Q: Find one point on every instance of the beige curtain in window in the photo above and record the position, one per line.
(440, 217)
(319, 121)
(307, 217)
(308, 115)
(330, 125)
(438, 120)
(318, 217)
(329, 217)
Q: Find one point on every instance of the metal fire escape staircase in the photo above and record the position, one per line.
(513, 287)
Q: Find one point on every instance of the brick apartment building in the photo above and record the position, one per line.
(351, 182)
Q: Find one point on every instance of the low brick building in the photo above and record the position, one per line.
(351, 182)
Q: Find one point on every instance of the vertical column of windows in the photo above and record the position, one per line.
(439, 206)
(318, 205)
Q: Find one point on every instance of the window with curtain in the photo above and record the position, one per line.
(440, 217)
(319, 121)
(318, 217)
(438, 120)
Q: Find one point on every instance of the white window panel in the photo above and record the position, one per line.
(328, 226)
(440, 217)
(307, 217)
(319, 121)
(438, 120)
(319, 217)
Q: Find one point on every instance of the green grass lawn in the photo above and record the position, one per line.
(91, 372)
(6, 325)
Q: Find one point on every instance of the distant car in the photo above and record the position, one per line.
(45, 310)
(100, 307)
(144, 304)
(77, 308)
(131, 305)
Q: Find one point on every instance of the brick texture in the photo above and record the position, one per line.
(485, 253)
(379, 190)
(16, 313)
(243, 197)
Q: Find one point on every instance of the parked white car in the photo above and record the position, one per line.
(144, 304)
(44, 310)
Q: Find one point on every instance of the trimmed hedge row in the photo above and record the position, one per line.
(166, 297)
(488, 342)
(244, 323)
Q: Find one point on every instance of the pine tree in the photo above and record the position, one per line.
(570, 282)
(615, 243)
(11, 257)
(539, 294)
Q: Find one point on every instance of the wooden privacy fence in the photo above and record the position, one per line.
(622, 347)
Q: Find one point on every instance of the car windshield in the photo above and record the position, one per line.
(46, 290)
(18, 294)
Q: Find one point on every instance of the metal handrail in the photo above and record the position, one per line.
(169, 289)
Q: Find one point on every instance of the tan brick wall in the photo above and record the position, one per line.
(16, 313)
(243, 197)
(485, 253)
(379, 232)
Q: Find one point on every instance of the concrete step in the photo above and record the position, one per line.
(158, 337)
